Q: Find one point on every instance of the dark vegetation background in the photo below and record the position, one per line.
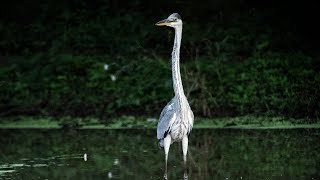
(239, 57)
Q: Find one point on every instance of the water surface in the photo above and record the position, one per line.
(124, 154)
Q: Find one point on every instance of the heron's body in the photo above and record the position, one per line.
(171, 122)
(176, 119)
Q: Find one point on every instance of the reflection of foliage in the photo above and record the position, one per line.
(254, 154)
(218, 154)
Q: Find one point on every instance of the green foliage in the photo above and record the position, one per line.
(232, 63)
(273, 84)
(80, 86)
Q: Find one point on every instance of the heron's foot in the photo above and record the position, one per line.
(185, 176)
(165, 176)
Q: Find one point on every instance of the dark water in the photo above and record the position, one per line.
(134, 154)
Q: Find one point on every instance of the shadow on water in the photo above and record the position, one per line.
(124, 154)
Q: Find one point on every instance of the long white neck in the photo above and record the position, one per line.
(176, 77)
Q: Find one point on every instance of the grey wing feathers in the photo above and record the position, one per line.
(165, 120)
(191, 121)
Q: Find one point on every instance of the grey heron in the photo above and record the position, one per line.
(176, 119)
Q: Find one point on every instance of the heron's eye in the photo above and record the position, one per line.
(174, 19)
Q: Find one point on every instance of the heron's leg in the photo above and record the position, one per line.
(166, 144)
(185, 151)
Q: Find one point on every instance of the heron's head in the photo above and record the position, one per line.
(174, 20)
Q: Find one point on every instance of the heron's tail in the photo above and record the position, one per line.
(160, 145)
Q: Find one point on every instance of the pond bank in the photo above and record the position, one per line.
(130, 122)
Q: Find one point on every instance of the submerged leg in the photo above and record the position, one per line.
(185, 151)
(166, 144)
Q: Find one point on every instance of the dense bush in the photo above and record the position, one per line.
(235, 61)
(272, 84)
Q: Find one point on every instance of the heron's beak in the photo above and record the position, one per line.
(163, 22)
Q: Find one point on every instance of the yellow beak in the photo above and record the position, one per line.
(162, 23)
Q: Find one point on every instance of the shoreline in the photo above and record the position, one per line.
(129, 122)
